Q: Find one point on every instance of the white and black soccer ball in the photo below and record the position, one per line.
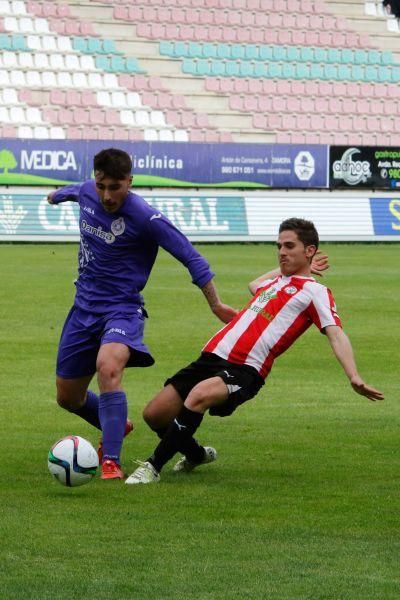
(73, 461)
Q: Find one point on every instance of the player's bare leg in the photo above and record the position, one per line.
(71, 393)
(74, 396)
(158, 414)
(179, 435)
(113, 407)
(162, 409)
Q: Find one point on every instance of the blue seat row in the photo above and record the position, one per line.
(94, 45)
(118, 64)
(275, 70)
(276, 53)
(14, 43)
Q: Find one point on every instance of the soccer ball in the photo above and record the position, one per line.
(73, 461)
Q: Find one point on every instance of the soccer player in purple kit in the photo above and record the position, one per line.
(120, 234)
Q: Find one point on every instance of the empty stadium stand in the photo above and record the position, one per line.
(290, 71)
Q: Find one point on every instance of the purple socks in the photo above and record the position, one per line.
(90, 410)
(113, 413)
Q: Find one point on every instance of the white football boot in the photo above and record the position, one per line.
(145, 473)
(183, 464)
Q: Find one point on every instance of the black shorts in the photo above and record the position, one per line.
(243, 382)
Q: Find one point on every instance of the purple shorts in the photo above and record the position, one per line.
(83, 334)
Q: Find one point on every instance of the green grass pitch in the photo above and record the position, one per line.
(303, 502)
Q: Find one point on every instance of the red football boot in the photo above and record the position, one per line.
(111, 470)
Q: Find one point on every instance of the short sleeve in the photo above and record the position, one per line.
(322, 309)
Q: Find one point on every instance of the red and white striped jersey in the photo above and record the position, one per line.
(281, 310)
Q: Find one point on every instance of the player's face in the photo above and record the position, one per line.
(294, 257)
(112, 192)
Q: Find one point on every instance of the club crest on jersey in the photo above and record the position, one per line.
(267, 295)
(118, 226)
(260, 302)
(290, 289)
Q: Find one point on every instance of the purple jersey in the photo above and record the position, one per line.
(118, 250)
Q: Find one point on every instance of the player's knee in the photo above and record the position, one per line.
(61, 401)
(148, 416)
(198, 400)
(66, 401)
(158, 416)
(151, 417)
(70, 397)
(108, 375)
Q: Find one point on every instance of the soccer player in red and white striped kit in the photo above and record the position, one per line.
(236, 360)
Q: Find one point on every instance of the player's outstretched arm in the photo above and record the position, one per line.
(64, 194)
(224, 312)
(255, 284)
(343, 351)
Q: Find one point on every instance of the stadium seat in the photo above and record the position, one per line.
(128, 118)
(142, 118)
(118, 99)
(17, 115)
(38, 60)
(18, 43)
(133, 100)
(232, 69)
(208, 49)
(265, 53)
(264, 104)
(4, 115)
(64, 79)
(9, 97)
(33, 115)
(371, 73)
(103, 63)
(25, 132)
(9, 60)
(95, 46)
(81, 116)
(162, 101)
(25, 60)
(302, 71)
(395, 74)
(5, 42)
(151, 135)
(112, 118)
(82, 80)
(247, 69)
(392, 25)
(4, 78)
(17, 79)
(117, 64)
(166, 135)
(95, 81)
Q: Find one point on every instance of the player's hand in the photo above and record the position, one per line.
(224, 312)
(319, 263)
(50, 197)
(366, 390)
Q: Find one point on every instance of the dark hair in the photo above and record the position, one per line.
(305, 230)
(393, 6)
(113, 163)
